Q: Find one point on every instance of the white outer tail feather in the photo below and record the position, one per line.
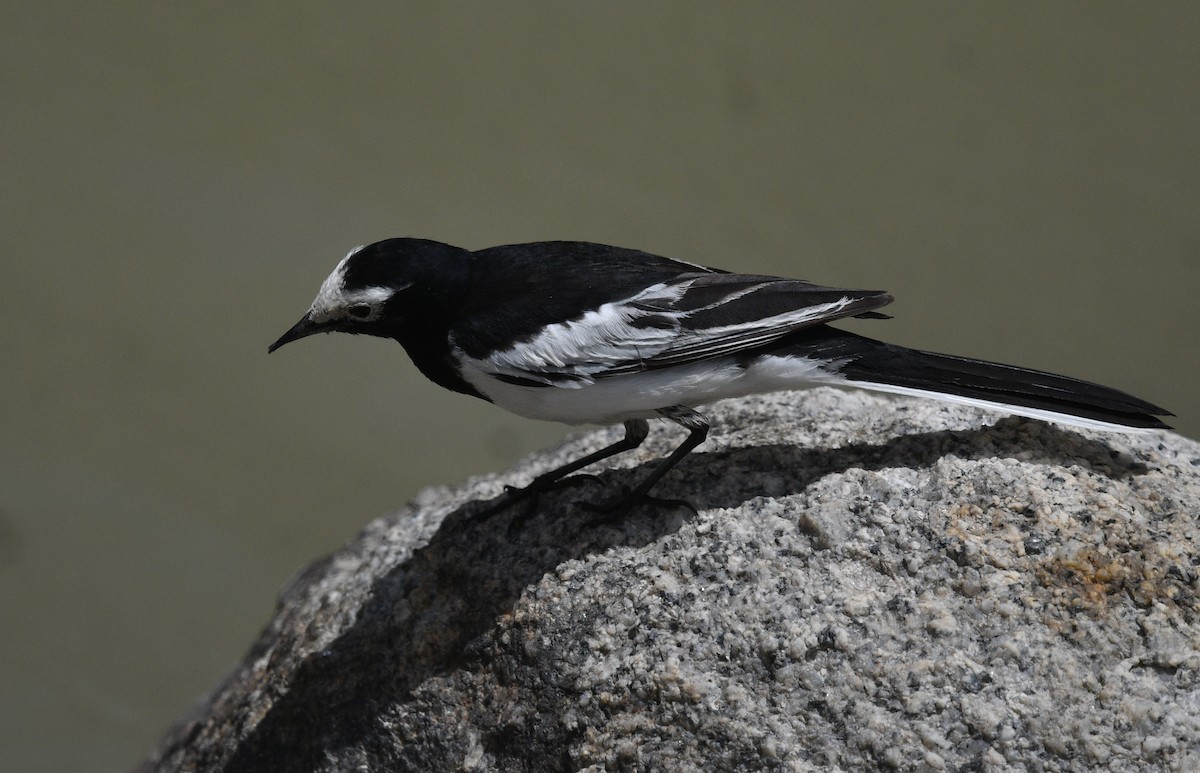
(992, 405)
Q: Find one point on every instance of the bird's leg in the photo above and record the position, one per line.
(697, 427)
(636, 431)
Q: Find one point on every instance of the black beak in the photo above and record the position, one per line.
(305, 327)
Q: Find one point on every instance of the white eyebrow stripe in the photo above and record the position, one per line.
(332, 297)
(371, 294)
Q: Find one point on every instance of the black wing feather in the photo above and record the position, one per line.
(723, 314)
(516, 290)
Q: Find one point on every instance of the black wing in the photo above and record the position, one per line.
(586, 311)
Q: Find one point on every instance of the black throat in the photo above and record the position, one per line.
(430, 352)
(420, 316)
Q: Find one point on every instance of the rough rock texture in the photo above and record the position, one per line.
(867, 584)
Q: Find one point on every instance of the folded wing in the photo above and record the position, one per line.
(693, 316)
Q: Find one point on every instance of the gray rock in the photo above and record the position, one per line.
(867, 584)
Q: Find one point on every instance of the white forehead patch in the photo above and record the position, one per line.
(333, 299)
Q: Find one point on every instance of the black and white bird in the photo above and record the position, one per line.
(580, 333)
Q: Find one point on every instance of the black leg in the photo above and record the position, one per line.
(697, 426)
(698, 431)
(636, 431)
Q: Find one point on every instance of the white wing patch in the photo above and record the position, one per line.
(727, 339)
(640, 333)
(601, 339)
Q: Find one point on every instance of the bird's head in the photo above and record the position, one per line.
(383, 289)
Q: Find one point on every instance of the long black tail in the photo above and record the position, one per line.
(872, 364)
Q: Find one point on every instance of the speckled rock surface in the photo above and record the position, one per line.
(867, 584)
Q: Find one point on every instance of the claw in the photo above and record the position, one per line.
(610, 512)
(514, 494)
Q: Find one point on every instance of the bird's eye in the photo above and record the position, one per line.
(359, 311)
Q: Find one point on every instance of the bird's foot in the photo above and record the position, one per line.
(607, 513)
(515, 494)
(539, 487)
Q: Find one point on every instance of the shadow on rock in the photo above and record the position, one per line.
(431, 613)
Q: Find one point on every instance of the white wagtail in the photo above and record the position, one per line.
(580, 333)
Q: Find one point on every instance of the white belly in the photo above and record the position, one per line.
(639, 395)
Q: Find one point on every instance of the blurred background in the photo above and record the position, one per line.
(179, 178)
